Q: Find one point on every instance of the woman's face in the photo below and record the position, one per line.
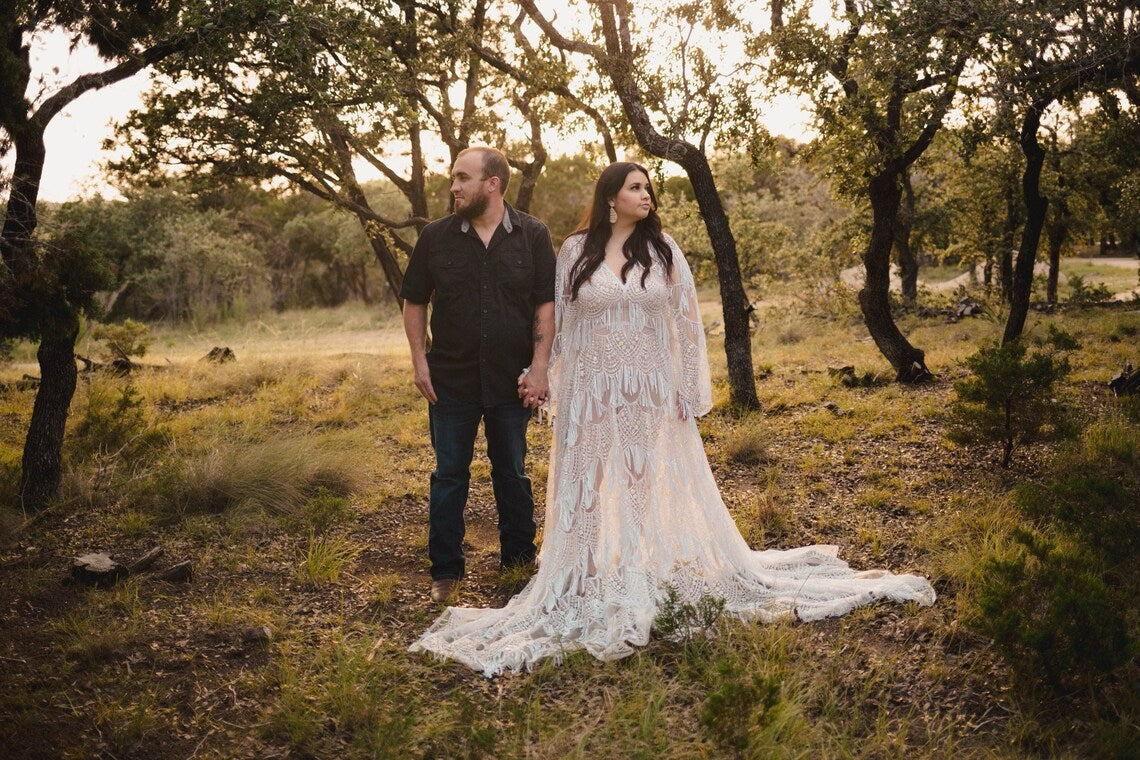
(633, 202)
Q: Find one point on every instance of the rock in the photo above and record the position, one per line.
(179, 573)
(259, 634)
(220, 355)
(97, 568)
(967, 307)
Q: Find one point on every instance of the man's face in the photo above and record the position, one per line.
(468, 186)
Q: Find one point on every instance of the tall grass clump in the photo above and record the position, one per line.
(277, 476)
(747, 444)
(323, 560)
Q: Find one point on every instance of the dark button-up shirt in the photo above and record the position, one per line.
(483, 301)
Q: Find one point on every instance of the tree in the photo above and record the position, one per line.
(41, 292)
(342, 84)
(1056, 52)
(881, 83)
(683, 97)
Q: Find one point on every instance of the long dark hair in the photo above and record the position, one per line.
(595, 225)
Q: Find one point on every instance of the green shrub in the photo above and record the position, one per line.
(1051, 614)
(323, 560)
(1080, 293)
(681, 620)
(1062, 602)
(743, 702)
(1008, 399)
(325, 510)
(124, 340)
(1093, 489)
(114, 423)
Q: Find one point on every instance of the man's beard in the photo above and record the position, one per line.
(474, 207)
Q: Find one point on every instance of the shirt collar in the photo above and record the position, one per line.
(508, 223)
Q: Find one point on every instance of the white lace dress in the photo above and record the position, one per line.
(631, 502)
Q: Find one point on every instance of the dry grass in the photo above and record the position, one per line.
(323, 400)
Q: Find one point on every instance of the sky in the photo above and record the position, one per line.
(75, 136)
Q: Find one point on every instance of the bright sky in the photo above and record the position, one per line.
(74, 138)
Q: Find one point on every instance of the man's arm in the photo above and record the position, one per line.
(415, 327)
(535, 384)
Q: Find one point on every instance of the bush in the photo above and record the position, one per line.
(124, 340)
(1064, 606)
(115, 423)
(1008, 400)
(1051, 614)
(1082, 294)
(677, 619)
(1093, 490)
(325, 510)
(743, 702)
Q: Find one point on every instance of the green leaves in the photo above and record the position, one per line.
(1008, 398)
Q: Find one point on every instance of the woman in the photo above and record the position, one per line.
(632, 507)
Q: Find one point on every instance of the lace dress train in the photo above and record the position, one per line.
(632, 505)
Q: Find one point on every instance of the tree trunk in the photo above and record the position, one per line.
(393, 275)
(907, 261)
(375, 232)
(874, 299)
(1005, 257)
(734, 302)
(1057, 234)
(42, 463)
(1036, 206)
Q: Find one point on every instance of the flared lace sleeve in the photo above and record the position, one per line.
(566, 257)
(694, 384)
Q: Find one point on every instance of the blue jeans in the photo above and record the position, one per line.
(453, 426)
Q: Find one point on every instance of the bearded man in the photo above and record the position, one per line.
(488, 271)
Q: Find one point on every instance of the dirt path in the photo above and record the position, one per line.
(853, 277)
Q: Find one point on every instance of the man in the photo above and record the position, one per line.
(488, 270)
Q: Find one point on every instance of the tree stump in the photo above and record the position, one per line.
(1127, 383)
(97, 568)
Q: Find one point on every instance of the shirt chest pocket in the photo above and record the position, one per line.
(517, 268)
(449, 271)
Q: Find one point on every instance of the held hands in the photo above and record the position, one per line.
(534, 387)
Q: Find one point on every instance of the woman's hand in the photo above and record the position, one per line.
(534, 387)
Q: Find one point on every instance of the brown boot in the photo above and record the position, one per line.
(444, 589)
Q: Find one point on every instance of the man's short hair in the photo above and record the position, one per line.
(494, 164)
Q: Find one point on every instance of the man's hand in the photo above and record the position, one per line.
(415, 327)
(534, 387)
(422, 377)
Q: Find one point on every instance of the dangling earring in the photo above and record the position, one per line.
(613, 215)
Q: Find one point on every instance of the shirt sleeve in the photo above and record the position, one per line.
(693, 377)
(543, 252)
(418, 285)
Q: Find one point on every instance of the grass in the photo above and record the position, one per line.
(323, 560)
(296, 480)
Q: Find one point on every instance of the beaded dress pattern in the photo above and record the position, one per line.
(631, 504)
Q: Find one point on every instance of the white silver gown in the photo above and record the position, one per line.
(631, 501)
